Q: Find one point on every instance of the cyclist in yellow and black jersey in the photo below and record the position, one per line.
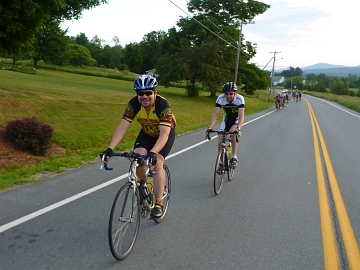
(156, 136)
(159, 114)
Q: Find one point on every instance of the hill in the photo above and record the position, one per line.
(330, 70)
(335, 71)
(322, 66)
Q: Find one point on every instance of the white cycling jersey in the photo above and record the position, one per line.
(230, 109)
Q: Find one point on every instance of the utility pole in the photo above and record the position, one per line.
(272, 72)
(239, 48)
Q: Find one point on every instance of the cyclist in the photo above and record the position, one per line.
(156, 136)
(233, 107)
(277, 101)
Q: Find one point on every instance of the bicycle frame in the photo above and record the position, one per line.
(133, 202)
(222, 165)
(132, 176)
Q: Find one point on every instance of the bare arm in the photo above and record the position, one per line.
(163, 138)
(214, 117)
(119, 133)
(241, 117)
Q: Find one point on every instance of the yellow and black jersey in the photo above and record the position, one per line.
(160, 114)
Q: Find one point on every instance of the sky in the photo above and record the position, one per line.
(302, 33)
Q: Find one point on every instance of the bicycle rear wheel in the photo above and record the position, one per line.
(166, 196)
(124, 221)
(219, 171)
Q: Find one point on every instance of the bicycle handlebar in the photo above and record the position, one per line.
(130, 155)
(222, 132)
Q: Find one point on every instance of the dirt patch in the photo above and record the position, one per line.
(10, 156)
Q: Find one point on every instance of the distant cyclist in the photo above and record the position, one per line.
(233, 108)
(277, 101)
(156, 136)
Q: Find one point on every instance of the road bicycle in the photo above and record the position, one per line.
(222, 164)
(135, 199)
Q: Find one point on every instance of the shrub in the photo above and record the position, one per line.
(29, 134)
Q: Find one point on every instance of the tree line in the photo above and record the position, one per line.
(201, 49)
(321, 82)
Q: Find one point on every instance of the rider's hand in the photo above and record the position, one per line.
(208, 130)
(108, 153)
(152, 158)
(239, 133)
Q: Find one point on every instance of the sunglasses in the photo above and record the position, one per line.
(229, 94)
(147, 93)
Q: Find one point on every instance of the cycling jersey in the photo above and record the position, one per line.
(160, 114)
(230, 110)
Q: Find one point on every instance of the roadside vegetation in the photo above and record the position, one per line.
(85, 110)
(351, 102)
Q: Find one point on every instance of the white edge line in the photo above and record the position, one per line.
(91, 190)
(328, 102)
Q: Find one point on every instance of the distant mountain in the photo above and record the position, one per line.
(321, 66)
(330, 70)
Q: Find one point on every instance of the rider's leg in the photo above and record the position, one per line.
(234, 146)
(141, 170)
(159, 179)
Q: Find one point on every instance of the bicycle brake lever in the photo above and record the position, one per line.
(104, 165)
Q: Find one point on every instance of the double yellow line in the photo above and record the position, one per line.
(331, 253)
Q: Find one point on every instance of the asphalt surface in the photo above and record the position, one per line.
(268, 217)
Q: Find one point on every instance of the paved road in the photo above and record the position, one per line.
(271, 216)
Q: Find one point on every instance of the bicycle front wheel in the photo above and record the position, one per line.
(219, 171)
(231, 171)
(166, 195)
(124, 221)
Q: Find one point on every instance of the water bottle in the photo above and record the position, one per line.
(150, 181)
(229, 152)
(150, 184)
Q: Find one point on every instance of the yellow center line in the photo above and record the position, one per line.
(331, 260)
(352, 249)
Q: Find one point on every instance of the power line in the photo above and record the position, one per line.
(244, 52)
(202, 24)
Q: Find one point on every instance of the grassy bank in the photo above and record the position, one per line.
(85, 110)
(347, 101)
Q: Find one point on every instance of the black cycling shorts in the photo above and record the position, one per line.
(228, 123)
(145, 141)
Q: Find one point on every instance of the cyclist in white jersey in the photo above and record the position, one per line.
(233, 108)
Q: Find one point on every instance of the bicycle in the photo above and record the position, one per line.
(134, 199)
(222, 164)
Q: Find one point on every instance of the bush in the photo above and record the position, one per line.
(29, 135)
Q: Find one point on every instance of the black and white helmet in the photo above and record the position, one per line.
(229, 86)
(145, 82)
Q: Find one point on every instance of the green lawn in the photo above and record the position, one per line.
(85, 110)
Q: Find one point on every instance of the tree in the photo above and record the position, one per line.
(133, 58)
(292, 72)
(339, 86)
(229, 12)
(149, 48)
(79, 55)
(21, 19)
(116, 58)
(50, 44)
(181, 50)
(197, 64)
(253, 78)
(96, 49)
(81, 39)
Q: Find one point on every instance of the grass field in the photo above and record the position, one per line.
(84, 112)
(347, 101)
